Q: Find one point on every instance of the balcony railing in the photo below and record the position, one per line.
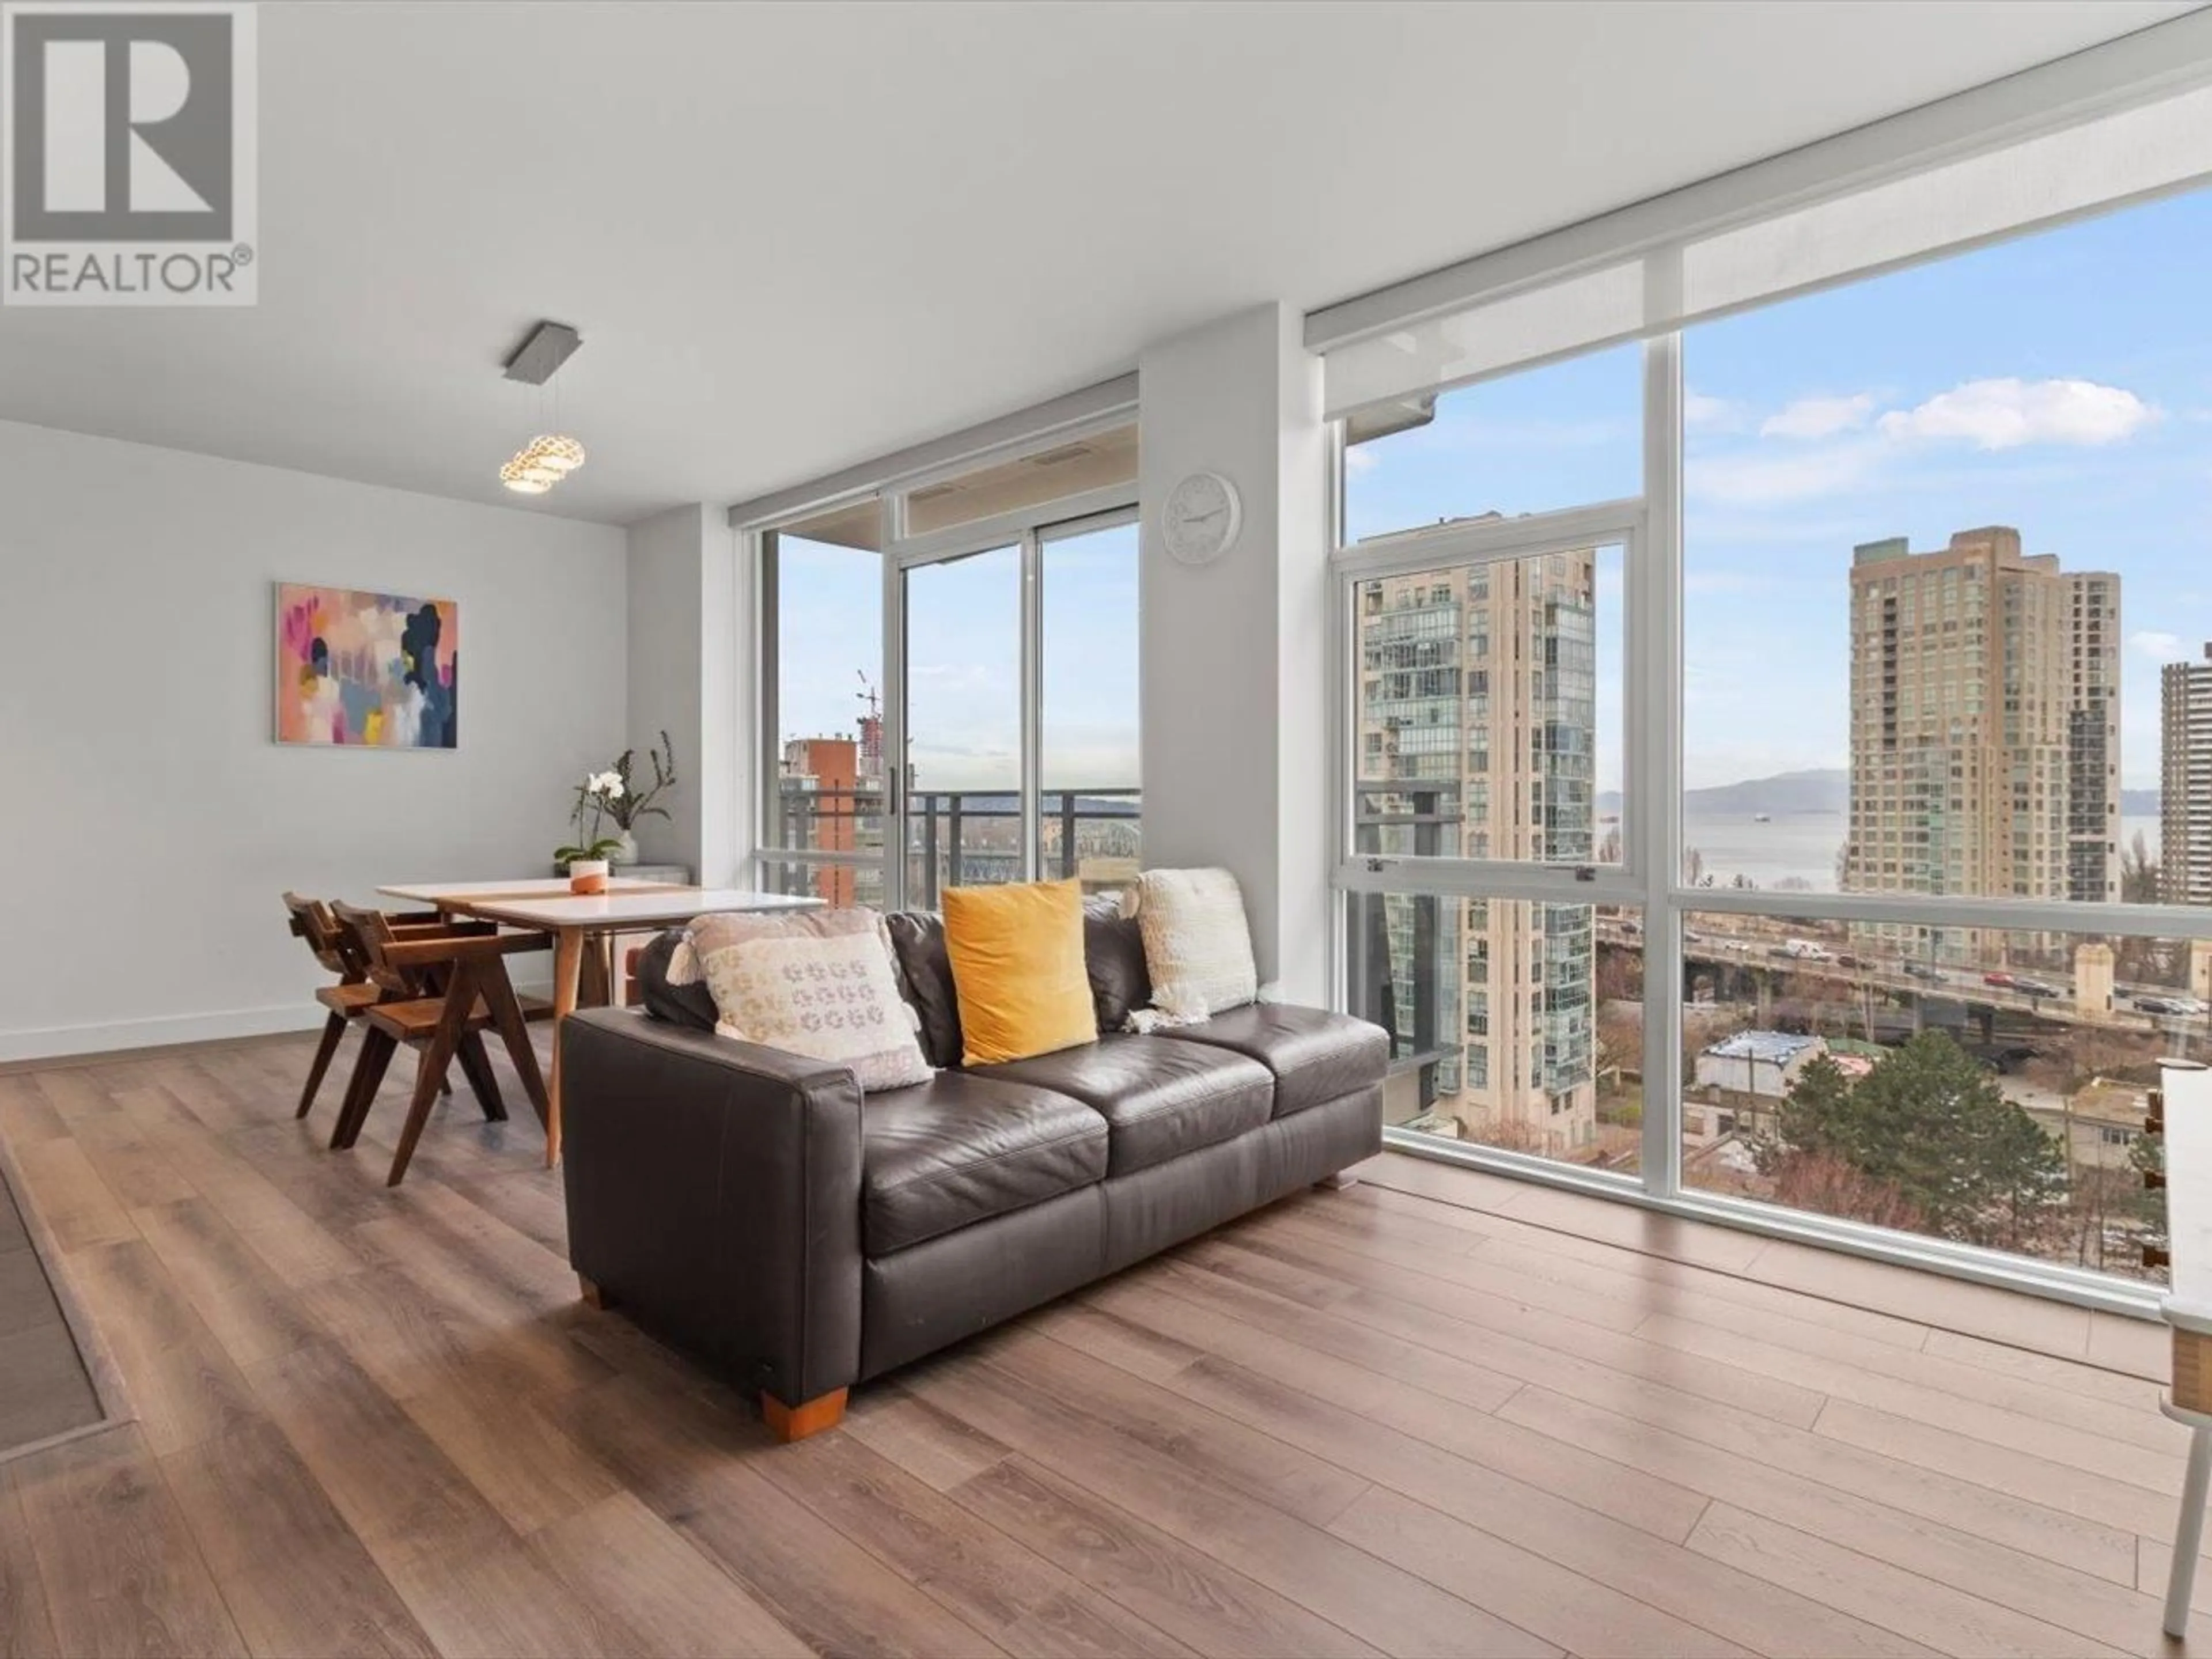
(969, 837)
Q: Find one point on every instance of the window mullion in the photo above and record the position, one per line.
(768, 688)
(1654, 752)
(898, 809)
(1032, 670)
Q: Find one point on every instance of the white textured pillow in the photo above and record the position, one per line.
(1197, 947)
(819, 984)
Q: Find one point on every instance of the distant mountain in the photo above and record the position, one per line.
(1827, 790)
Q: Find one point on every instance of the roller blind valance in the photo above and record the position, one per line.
(1719, 246)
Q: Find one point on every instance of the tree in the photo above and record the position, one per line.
(1814, 1117)
(1829, 1186)
(2139, 874)
(2144, 1202)
(1619, 976)
(1619, 1040)
(1930, 1119)
(1693, 867)
(1928, 1128)
(2140, 880)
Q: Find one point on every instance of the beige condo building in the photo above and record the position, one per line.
(1985, 728)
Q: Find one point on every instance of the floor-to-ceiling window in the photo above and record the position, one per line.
(1964, 507)
(1774, 668)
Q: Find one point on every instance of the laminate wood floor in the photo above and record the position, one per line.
(1440, 1413)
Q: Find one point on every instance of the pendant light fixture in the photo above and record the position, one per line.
(527, 480)
(550, 456)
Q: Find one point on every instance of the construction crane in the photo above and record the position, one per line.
(871, 723)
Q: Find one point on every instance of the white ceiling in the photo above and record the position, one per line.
(795, 236)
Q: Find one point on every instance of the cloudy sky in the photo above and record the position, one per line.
(2062, 384)
(963, 649)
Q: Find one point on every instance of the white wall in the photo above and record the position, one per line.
(689, 677)
(1235, 654)
(151, 822)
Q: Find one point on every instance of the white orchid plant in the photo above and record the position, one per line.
(613, 794)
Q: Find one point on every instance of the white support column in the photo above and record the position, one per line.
(1235, 655)
(1655, 761)
(690, 675)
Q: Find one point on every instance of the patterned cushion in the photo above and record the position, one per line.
(1198, 949)
(819, 984)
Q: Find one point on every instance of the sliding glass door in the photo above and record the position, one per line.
(963, 723)
(1090, 802)
(1016, 707)
(948, 685)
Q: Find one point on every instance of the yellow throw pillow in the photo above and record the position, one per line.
(1018, 970)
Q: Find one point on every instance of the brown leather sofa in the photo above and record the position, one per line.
(752, 1207)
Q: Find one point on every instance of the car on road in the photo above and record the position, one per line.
(2036, 988)
(2150, 1004)
(2003, 981)
(1922, 970)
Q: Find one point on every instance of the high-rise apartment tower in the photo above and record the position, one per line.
(1477, 740)
(1984, 725)
(2185, 781)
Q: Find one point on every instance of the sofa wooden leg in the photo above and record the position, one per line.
(790, 1423)
(593, 1296)
(1337, 1183)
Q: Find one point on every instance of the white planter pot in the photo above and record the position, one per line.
(587, 876)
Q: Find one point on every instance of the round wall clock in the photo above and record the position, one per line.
(1201, 517)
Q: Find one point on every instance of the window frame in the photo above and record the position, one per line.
(1467, 547)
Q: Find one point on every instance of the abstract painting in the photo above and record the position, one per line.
(370, 670)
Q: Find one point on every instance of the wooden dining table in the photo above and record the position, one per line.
(577, 921)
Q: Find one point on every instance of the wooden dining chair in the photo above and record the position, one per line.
(354, 994)
(442, 992)
(346, 1001)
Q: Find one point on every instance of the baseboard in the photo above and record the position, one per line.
(168, 1030)
(62, 1042)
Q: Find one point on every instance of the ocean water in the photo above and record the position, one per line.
(1801, 845)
